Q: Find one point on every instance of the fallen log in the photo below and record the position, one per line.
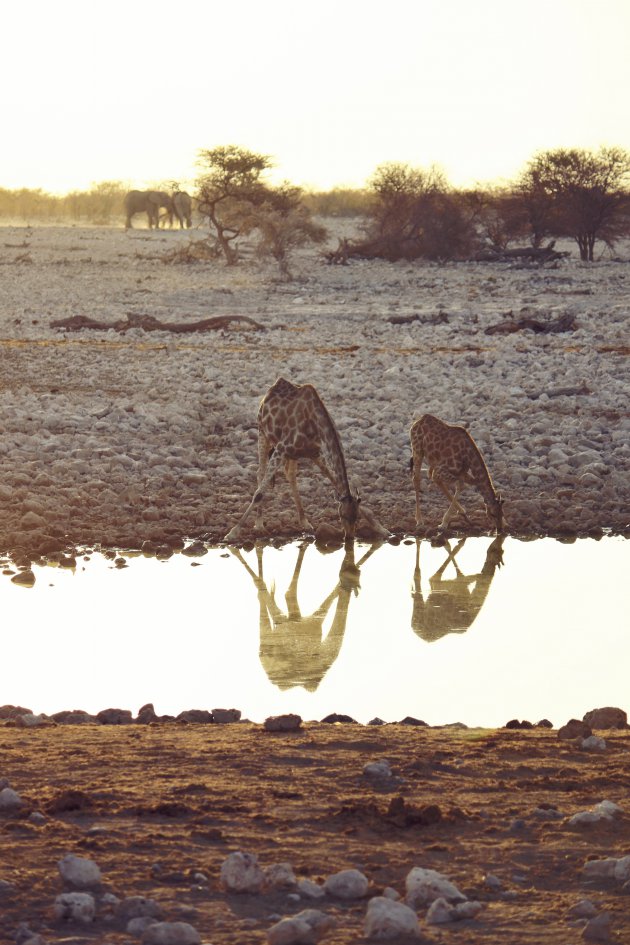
(551, 326)
(529, 253)
(150, 323)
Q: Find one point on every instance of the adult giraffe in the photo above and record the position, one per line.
(294, 424)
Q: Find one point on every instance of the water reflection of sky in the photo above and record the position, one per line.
(548, 633)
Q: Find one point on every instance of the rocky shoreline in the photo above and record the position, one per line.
(116, 438)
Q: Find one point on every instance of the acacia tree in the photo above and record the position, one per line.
(415, 213)
(227, 190)
(284, 222)
(579, 194)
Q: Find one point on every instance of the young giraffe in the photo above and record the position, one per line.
(453, 458)
(294, 424)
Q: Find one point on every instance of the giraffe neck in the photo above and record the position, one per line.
(482, 478)
(333, 453)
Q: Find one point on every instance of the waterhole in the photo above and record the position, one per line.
(478, 631)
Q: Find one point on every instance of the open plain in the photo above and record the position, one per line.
(120, 436)
(115, 437)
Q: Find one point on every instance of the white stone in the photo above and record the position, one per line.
(310, 890)
(386, 919)
(79, 871)
(600, 869)
(584, 909)
(594, 743)
(377, 769)
(75, 907)
(622, 869)
(467, 910)
(390, 893)
(440, 912)
(9, 799)
(279, 876)
(347, 884)
(240, 873)
(425, 885)
(305, 928)
(608, 809)
(171, 933)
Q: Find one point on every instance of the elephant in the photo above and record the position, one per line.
(182, 208)
(149, 202)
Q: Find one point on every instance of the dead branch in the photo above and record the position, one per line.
(149, 323)
(551, 326)
(562, 392)
(540, 254)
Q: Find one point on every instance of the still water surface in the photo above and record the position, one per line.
(476, 633)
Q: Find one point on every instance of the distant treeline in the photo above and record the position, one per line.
(102, 204)
(406, 212)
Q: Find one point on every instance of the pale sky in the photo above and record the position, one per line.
(131, 91)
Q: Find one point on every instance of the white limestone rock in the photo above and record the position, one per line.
(387, 919)
(310, 890)
(9, 799)
(305, 928)
(594, 743)
(423, 886)
(279, 876)
(440, 912)
(347, 884)
(79, 872)
(240, 873)
(171, 933)
(377, 769)
(75, 907)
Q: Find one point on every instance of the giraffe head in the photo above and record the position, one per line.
(349, 512)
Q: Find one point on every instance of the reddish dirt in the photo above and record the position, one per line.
(161, 802)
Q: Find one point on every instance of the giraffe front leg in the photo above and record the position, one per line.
(453, 499)
(290, 471)
(416, 465)
(277, 457)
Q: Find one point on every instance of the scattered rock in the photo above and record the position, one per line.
(10, 800)
(114, 717)
(75, 907)
(196, 716)
(593, 743)
(347, 884)
(335, 717)
(574, 729)
(597, 929)
(608, 718)
(279, 876)
(386, 919)
(283, 723)
(310, 890)
(226, 716)
(423, 886)
(79, 872)
(305, 928)
(171, 933)
(240, 873)
(584, 909)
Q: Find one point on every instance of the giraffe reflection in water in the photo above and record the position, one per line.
(293, 648)
(452, 606)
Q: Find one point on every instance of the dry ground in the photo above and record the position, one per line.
(159, 803)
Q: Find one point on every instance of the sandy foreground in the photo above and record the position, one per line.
(117, 438)
(159, 808)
